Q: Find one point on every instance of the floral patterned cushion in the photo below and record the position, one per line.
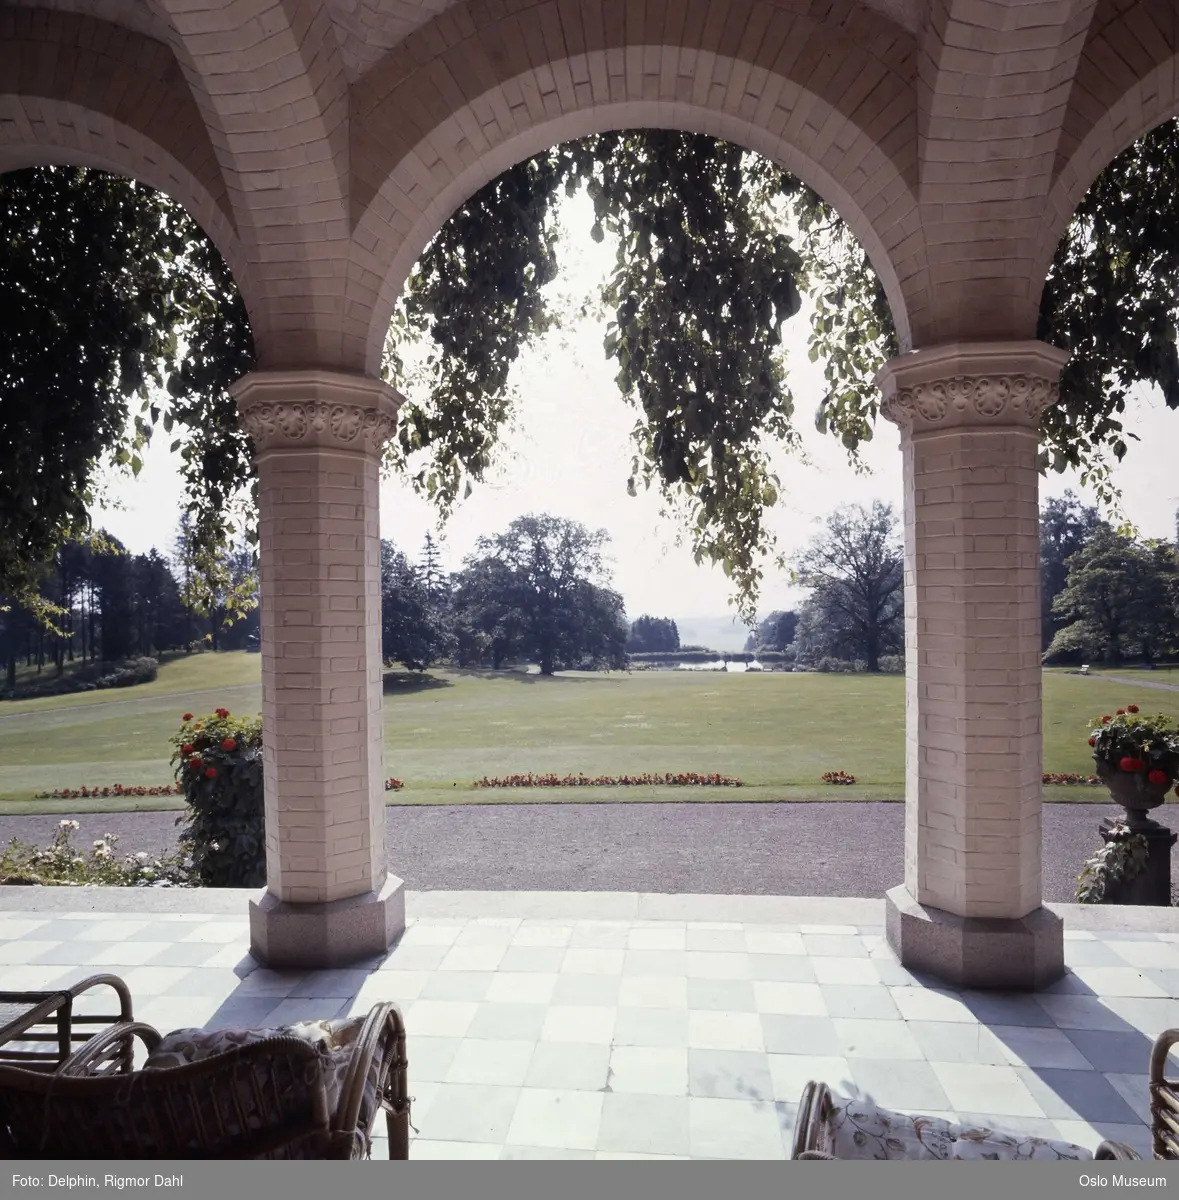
(858, 1129)
(336, 1041)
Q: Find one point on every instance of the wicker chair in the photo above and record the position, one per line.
(273, 1095)
(1164, 1099)
(41, 1029)
(828, 1127)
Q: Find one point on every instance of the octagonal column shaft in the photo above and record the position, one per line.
(970, 908)
(318, 437)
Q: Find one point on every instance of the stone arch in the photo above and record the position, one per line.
(1125, 86)
(436, 120)
(80, 92)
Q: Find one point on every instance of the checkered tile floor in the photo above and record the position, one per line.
(581, 1038)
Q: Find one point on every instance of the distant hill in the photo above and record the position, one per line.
(713, 633)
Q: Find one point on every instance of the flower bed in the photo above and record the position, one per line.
(685, 779)
(61, 864)
(1071, 779)
(116, 789)
(393, 785)
(839, 777)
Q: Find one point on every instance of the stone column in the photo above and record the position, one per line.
(318, 437)
(970, 908)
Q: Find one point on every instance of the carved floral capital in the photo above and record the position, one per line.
(990, 385)
(316, 410)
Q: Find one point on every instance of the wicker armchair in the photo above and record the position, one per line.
(1164, 1099)
(830, 1127)
(272, 1094)
(39, 1030)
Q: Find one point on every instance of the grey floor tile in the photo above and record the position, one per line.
(791, 1073)
(1166, 978)
(1150, 1016)
(345, 982)
(480, 1060)
(186, 954)
(1091, 954)
(1030, 1126)
(552, 1117)
(1034, 1047)
(587, 989)
(868, 1003)
(875, 1039)
(1135, 1090)
(781, 968)
(517, 1021)
(649, 1070)
(800, 1035)
(735, 1129)
(457, 985)
(430, 1058)
(1083, 1012)
(730, 1075)
(834, 945)
(470, 1112)
(899, 1084)
(1076, 1095)
(956, 1041)
(579, 1066)
(644, 1124)
(1106, 1050)
(730, 941)
(208, 981)
(1001, 1008)
(733, 995)
(532, 958)
(651, 1027)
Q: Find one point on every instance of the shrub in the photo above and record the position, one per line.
(838, 777)
(684, 779)
(129, 673)
(218, 762)
(837, 666)
(61, 864)
(892, 664)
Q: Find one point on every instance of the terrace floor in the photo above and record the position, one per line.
(619, 1025)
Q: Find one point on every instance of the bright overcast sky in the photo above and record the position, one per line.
(569, 454)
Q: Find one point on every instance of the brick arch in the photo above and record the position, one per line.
(457, 105)
(1125, 86)
(80, 92)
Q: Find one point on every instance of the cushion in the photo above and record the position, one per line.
(336, 1041)
(859, 1129)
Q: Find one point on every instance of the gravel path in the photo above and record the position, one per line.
(838, 849)
(1135, 682)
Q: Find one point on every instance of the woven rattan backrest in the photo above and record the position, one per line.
(251, 1100)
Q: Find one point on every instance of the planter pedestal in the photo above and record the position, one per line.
(1153, 886)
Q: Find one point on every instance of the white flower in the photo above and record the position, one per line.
(142, 856)
(70, 825)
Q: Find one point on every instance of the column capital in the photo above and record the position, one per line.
(299, 410)
(979, 384)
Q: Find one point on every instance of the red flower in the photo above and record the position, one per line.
(195, 763)
(210, 772)
(222, 712)
(1092, 741)
(1121, 712)
(186, 717)
(228, 744)
(1131, 764)
(1106, 719)
(187, 748)
(1158, 778)
(1131, 707)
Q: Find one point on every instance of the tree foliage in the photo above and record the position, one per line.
(1120, 599)
(855, 572)
(120, 318)
(538, 591)
(1065, 526)
(652, 635)
(774, 632)
(413, 628)
(109, 288)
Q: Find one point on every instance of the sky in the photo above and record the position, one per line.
(569, 452)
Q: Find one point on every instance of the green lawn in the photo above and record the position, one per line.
(777, 732)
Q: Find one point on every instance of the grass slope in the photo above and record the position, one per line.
(777, 732)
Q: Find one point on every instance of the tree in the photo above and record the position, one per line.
(855, 570)
(1065, 526)
(433, 577)
(776, 632)
(1120, 596)
(650, 635)
(538, 590)
(120, 317)
(706, 276)
(410, 631)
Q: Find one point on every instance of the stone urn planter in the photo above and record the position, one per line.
(1137, 758)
